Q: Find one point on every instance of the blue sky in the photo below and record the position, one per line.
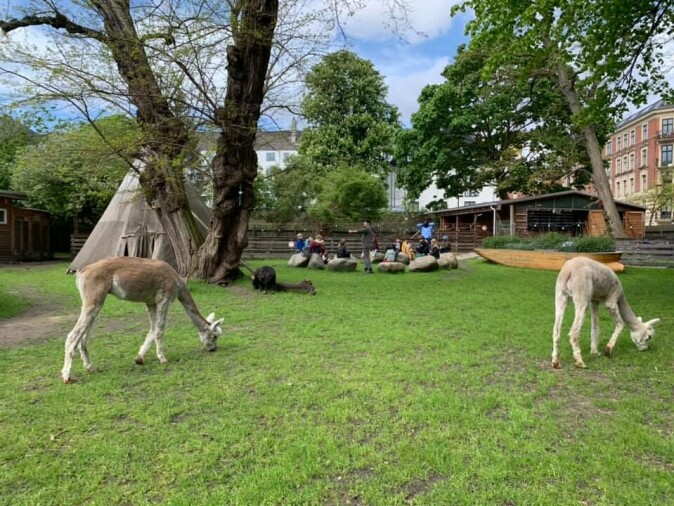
(408, 65)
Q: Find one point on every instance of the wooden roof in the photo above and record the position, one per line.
(571, 199)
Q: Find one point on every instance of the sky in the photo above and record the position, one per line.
(410, 64)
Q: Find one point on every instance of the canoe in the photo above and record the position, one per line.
(545, 259)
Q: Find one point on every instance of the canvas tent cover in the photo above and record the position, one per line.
(129, 227)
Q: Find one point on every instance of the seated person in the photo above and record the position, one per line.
(342, 250)
(398, 245)
(422, 248)
(317, 246)
(435, 249)
(407, 249)
(390, 254)
(300, 243)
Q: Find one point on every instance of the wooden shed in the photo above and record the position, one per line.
(24, 233)
(570, 212)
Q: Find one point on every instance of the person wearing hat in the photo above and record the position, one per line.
(300, 243)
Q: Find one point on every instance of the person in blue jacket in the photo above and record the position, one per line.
(426, 229)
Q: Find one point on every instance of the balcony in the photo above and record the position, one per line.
(665, 135)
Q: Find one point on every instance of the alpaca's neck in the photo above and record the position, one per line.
(627, 314)
(185, 298)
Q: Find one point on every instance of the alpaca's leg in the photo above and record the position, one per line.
(83, 346)
(594, 333)
(152, 313)
(79, 333)
(574, 334)
(615, 314)
(160, 325)
(560, 307)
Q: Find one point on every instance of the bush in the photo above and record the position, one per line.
(501, 241)
(553, 241)
(589, 244)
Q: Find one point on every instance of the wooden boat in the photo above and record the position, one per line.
(546, 259)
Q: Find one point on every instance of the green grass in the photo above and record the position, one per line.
(417, 388)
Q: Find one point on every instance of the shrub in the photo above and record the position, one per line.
(588, 244)
(553, 240)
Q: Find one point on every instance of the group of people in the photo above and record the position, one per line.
(426, 245)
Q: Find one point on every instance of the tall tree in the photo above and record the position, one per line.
(74, 173)
(13, 137)
(133, 39)
(600, 55)
(349, 121)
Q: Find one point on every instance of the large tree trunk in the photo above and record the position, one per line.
(165, 134)
(235, 162)
(599, 178)
(162, 178)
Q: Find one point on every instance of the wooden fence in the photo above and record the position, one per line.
(647, 252)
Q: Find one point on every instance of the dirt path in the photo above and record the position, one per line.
(45, 319)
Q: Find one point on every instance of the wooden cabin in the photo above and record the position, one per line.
(570, 212)
(24, 233)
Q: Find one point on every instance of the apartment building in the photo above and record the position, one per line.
(639, 155)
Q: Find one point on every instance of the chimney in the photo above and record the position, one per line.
(293, 131)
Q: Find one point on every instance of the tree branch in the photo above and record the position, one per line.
(57, 21)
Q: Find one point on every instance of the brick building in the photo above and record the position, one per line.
(639, 155)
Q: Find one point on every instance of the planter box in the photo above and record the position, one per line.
(545, 259)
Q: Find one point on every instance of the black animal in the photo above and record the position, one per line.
(264, 279)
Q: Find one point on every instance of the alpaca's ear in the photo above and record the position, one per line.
(652, 322)
(639, 318)
(217, 323)
(210, 318)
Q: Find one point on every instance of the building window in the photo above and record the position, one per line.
(3, 216)
(631, 185)
(644, 157)
(666, 155)
(285, 156)
(609, 148)
(667, 125)
(617, 188)
(271, 156)
(643, 183)
(644, 131)
(620, 143)
(469, 203)
(471, 193)
(631, 161)
(619, 165)
(632, 138)
(625, 166)
(625, 141)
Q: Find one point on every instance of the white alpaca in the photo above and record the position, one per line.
(589, 282)
(152, 282)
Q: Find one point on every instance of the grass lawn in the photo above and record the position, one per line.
(413, 388)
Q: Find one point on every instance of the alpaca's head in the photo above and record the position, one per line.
(209, 336)
(643, 335)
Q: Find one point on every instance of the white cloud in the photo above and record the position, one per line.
(405, 85)
(374, 21)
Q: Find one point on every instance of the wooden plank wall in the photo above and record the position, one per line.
(647, 252)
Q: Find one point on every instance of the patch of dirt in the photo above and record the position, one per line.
(45, 319)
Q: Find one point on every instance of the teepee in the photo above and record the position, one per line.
(129, 227)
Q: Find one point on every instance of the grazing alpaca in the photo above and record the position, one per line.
(152, 282)
(589, 282)
(264, 278)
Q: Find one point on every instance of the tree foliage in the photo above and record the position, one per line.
(473, 131)
(348, 193)
(75, 173)
(13, 137)
(349, 121)
(600, 55)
